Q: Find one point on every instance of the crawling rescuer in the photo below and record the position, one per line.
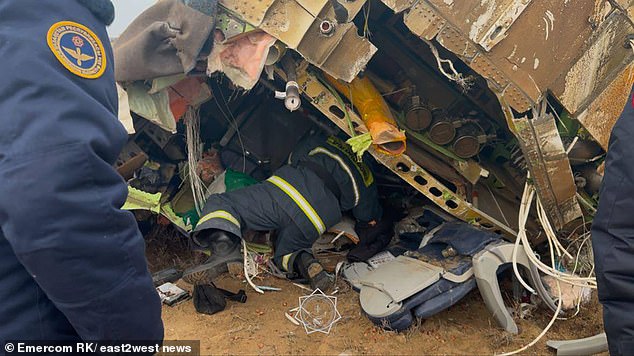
(301, 201)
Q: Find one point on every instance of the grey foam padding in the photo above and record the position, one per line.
(396, 292)
(402, 277)
(355, 272)
(581, 347)
(485, 266)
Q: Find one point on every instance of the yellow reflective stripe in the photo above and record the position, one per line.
(285, 260)
(301, 202)
(220, 214)
(344, 166)
(346, 149)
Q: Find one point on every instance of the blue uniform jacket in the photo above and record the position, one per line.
(72, 263)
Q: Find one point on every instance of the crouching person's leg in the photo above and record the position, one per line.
(219, 233)
(293, 255)
(220, 228)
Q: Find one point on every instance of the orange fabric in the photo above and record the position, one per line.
(183, 94)
(178, 105)
(375, 113)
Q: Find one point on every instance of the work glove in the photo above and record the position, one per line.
(372, 239)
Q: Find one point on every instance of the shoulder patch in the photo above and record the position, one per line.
(77, 48)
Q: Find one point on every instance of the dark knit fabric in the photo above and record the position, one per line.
(207, 7)
(102, 9)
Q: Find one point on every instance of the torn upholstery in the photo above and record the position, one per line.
(166, 39)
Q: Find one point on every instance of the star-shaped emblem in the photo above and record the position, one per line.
(317, 312)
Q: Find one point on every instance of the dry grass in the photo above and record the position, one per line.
(166, 247)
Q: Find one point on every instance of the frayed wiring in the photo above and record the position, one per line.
(194, 155)
(464, 82)
(556, 248)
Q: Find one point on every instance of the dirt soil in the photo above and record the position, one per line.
(260, 327)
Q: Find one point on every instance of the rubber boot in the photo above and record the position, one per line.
(310, 268)
(224, 249)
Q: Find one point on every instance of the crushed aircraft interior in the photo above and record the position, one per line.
(468, 108)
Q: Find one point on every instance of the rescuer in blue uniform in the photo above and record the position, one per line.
(613, 236)
(301, 201)
(72, 263)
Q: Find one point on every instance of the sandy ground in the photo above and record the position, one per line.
(260, 327)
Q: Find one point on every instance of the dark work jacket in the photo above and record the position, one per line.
(269, 206)
(354, 178)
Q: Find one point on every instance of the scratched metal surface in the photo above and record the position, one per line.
(403, 166)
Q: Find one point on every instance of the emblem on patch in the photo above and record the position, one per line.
(78, 49)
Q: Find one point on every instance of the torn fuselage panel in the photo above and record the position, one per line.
(525, 49)
(550, 168)
(601, 115)
(311, 28)
(402, 165)
(549, 45)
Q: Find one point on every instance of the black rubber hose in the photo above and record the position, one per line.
(341, 13)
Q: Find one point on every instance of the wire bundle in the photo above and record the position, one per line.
(194, 155)
(556, 248)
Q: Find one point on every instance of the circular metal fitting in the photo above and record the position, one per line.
(468, 143)
(442, 132)
(466, 146)
(327, 28)
(418, 118)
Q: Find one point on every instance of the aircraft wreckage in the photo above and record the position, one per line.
(461, 102)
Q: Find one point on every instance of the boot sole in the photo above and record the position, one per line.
(323, 281)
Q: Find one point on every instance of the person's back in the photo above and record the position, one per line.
(356, 187)
(301, 201)
(72, 263)
(613, 236)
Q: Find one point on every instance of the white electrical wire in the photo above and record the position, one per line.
(553, 239)
(550, 324)
(246, 270)
(552, 271)
(572, 144)
(498, 205)
(580, 298)
(555, 246)
(366, 27)
(194, 155)
(231, 121)
(527, 197)
(237, 128)
(455, 76)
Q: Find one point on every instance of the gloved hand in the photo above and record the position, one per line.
(216, 240)
(373, 238)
